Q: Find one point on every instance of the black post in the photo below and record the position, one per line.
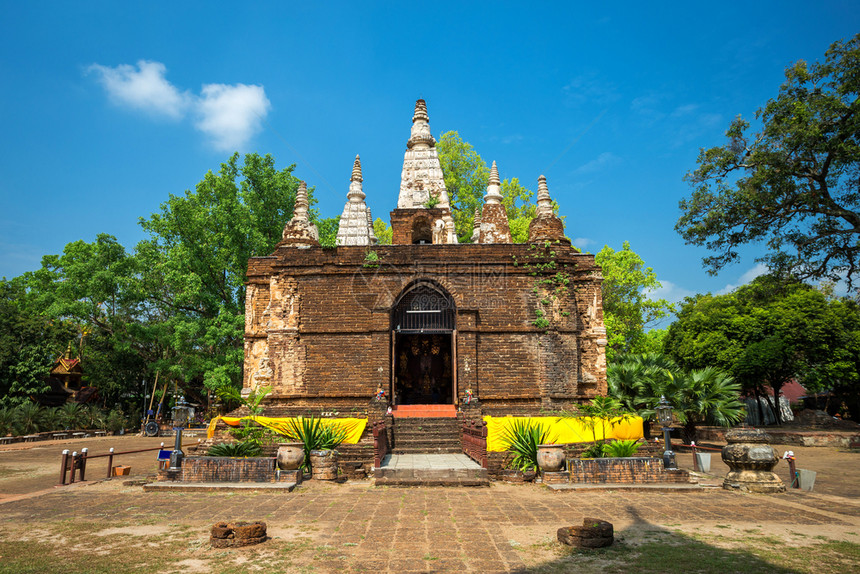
(668, 455)
(177, 455)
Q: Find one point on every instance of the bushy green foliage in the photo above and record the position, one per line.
(769, 332)
(621, 448)
(628, 309)
(235, 449)
(699, 396)
(522, 437)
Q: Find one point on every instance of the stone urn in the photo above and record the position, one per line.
(550, 457)
(290, 455)
(751, 461)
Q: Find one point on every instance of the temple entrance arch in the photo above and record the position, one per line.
(423, 346)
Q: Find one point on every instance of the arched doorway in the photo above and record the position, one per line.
(423, 344)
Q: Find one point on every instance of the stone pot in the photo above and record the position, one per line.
(550, 457)
(751, 461)
(291, 455)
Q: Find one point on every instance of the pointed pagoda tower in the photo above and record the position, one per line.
(355, 226)
(423, 213)
(495, 227)
(546, 226)
(299, 231)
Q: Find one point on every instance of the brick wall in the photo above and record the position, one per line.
(318, 326)
(624, 471)
(227, 469)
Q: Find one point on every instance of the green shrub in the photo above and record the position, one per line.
(621, 448)
(594, 450)
(235, 449)
(522, 438)
(28, 418)
(7, 421)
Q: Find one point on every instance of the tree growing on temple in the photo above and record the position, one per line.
(795, 184)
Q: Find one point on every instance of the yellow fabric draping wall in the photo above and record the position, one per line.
(353, 427)
(566, 430)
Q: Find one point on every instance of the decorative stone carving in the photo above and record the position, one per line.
(751, 461)
(300, 232)
(546, 226)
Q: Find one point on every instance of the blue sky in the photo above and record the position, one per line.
(106, 108)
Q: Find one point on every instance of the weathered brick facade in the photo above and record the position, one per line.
(318, 325)
(491, 326)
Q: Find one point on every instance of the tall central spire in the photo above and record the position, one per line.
(422, 176)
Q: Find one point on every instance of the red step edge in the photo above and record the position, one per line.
(425, 411)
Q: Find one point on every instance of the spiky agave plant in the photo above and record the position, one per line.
(522, 437)
(315, 435)
(235, 449)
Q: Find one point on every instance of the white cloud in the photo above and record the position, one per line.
(582, 242)
(606, 159)
(671, 292)
(231, 115)
(143, 88)
(587, 89)
(749, 275)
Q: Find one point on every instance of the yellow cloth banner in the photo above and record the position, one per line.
(353, 427)
(566, 430)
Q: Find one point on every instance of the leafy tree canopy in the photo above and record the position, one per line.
(628, 310)
(795, 184)
(769, 332)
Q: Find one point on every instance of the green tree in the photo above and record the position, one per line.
(795, 183)
(328, 230)
(628, 310)
(384, 233)
(466, 178)
(769, 332)
(193, 265)
(30, 340)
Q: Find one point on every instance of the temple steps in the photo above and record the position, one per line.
(426, 435)
(430, 470)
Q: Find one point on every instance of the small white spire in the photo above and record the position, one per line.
(544, 202)
(494, 187)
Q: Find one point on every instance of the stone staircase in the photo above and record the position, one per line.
(426, 435)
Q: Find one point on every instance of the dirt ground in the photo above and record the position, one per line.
(26, 468)
(114, 526)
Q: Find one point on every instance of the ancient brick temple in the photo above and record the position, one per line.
(487, 327)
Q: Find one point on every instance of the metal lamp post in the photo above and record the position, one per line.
(180, 418)
(664, 415)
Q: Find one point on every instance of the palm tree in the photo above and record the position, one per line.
(28, 418)
(7, 421)
(71, 415)
(638, 381)
(706, 395)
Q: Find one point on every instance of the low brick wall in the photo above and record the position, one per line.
(633, 470)
(228, 469)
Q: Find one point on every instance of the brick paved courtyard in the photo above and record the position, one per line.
(355, 527)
